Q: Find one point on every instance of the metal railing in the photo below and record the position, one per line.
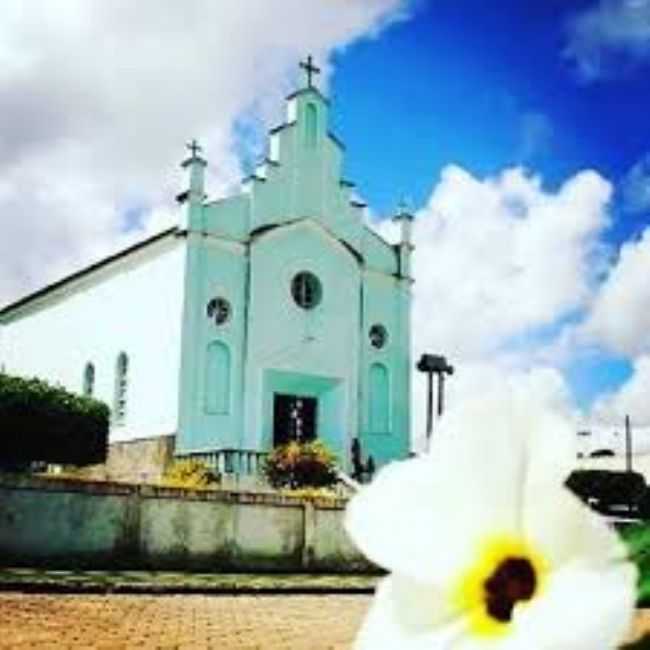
(242, 462)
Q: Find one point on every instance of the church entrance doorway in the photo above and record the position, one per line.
(294, 418)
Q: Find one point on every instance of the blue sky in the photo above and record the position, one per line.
(456, 82)
(488, 87)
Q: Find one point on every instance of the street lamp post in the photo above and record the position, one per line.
(628, 444)
(434, 364)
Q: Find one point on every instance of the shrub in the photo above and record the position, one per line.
(41, 422)
(637, 539)
(190, 473)
(299, 465)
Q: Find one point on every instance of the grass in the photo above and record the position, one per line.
(36, 579)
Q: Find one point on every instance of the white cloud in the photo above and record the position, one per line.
(495, 259)
(620, 316)
(98, 98)
(633, 399)
(635, 187)
(609, 34)
(501, 256)
(472, 379)
(617, 322)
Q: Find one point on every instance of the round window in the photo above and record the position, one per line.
(306, 290)
(378, 336)
(219, 309)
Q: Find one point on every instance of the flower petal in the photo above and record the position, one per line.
(580, 609)
(556, 523)
(419, 606)
(426, 518)
(551, 445)
(564, 530)
(386, 628)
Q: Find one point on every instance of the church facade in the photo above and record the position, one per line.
(271, 315)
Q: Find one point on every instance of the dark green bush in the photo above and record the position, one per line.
(40, 422)
(298, 465)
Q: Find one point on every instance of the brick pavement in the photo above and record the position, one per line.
(186, 622)
(179, 622)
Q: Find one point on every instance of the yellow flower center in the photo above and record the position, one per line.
(507, 572)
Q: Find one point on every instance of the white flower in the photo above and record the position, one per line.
(485, 546)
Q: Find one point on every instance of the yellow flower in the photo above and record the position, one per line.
(485, 545)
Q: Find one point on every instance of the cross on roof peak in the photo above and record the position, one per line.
(311, 70)
(194, 147)
(404, 205)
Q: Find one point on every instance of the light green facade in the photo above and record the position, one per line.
(296, 214)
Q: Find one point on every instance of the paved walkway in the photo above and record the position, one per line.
(186, 622)
(180, 622)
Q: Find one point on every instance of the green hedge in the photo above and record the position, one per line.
(40, 422)
(637, 538)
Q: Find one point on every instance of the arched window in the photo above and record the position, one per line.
(379, 398)
(311, 125)
(121, 388)
(89, 380)
(217, 379)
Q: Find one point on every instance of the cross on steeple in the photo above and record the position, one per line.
(196, 166)
(311, 70)
(194, 147)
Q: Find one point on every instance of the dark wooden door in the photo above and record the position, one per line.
(294, 418)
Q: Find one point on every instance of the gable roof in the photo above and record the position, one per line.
(21, 302)
(267, 228)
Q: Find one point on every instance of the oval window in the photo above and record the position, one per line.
(306, 290)
(378, 336)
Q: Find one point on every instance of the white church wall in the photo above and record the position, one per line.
(132, 305)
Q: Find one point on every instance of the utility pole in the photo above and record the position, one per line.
(628, 444)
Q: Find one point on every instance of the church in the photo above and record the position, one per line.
(271, 315)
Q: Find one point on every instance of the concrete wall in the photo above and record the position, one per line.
(135, 461)
(105, 525)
